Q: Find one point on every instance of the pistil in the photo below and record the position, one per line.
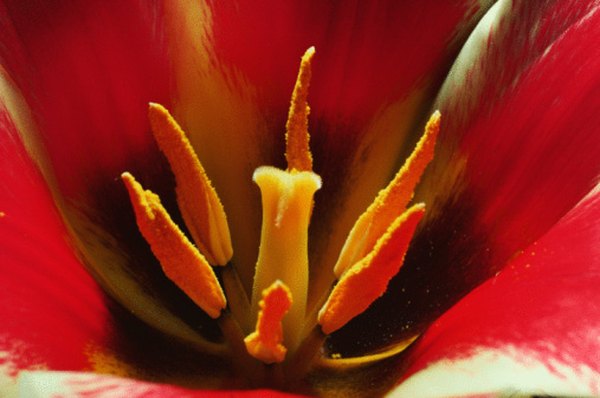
(283, 255)
(287, 201)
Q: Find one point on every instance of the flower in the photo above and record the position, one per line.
(500, 277)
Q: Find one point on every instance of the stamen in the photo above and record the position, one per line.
(297, 151)
(265, 343)
(180, 260)
(287, 199)
(376, 219)
(198, 202)
(367, 280)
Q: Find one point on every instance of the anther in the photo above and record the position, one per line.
(198, 202)
(367, 280)
(265, 343)
(297, 151)
(390, 201)
(181, 262)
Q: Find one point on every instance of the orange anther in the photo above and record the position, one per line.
(198, 202)
(297, 151)
(265, 342)
(180, 260)
(367, 280)
(390, 201)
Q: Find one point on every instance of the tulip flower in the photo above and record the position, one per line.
(316, 198)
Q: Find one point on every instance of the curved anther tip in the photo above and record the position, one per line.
(155, 106)
(309, 53)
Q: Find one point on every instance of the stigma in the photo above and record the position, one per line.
(281, 330)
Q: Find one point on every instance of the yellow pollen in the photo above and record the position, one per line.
(297, 151)
(198, 202)
(181, 262)
(367, 280)
(264, 343)
(390, 201)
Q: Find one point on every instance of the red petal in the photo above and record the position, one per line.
(369, 54)
(51, 310)
(540, 317)
(88, 70)
(523, 116)
(518, 148)
(53, 384)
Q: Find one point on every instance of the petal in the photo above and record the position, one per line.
(533, 328)
(53, 312)
(374, 73)
(521, 103)
(520, 149)
(87, 70)
(53, 384)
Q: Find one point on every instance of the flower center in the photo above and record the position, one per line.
(273, 326)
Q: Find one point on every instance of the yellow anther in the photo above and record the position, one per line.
(367, 280)
(180, 260)
(297, 151)
(390, 201)
(264, 343)
(198, 202)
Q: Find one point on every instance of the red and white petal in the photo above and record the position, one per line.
(520, 108)
(52, 311)
(71, 384)
(533, 328)
(87, 71)
(376, 68)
